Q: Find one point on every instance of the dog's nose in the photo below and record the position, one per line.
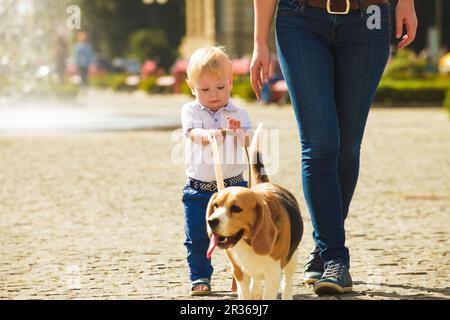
(213, 223)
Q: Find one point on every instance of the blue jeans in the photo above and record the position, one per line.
(197, 241)
(83, 72)
(332, 65)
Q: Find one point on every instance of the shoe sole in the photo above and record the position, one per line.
(200, 293)
(310, 281)
(327, 288)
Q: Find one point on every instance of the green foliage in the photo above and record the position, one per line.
(115, 81)
(447, 102)
(407, 65)
(46, 89)
(148, 84)
(390, 92)
(242, 88)
(5, 83)
(412, 92)
(184, 88)
(110, 23)
(64, 90)
(152, 44)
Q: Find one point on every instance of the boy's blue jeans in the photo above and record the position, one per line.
(197, 241)
(332, 65)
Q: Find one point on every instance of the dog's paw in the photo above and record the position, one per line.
(256, 290)
(257, 296)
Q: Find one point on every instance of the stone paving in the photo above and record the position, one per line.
(98, 215)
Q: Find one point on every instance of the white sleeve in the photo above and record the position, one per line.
(245, 120)
(189, 119)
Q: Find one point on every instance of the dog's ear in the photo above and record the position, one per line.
(265, 231)
(210, 207)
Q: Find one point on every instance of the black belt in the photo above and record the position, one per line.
(212, 186)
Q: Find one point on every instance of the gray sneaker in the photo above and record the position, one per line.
(336, 279)
(314, 267)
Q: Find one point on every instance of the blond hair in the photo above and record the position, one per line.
(209, 60)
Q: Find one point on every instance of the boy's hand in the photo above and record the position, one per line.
(233, 123)
(218, 133)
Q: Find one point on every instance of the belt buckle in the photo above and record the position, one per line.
(347, 8)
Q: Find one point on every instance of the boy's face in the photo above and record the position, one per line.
(211, 91)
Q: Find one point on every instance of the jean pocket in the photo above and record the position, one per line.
(288, 7)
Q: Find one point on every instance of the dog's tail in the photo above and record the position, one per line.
(257, 165)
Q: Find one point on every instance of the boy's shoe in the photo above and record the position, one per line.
(314, 267)
(198, 284)
(336, 279)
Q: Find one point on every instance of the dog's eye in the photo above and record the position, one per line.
(215, 205)
(235, 208)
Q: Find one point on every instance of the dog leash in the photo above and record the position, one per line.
(216, 158)
(217, 166)
(233, 133)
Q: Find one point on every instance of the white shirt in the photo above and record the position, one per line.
(199, 163)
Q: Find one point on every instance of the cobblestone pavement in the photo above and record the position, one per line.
(98, 215)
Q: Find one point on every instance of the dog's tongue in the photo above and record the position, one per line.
(212, 244)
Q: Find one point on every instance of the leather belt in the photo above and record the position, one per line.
(341, 6)
(212, 186)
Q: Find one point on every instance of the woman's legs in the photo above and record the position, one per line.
(360, 56)
(332, 66)
(306, 58)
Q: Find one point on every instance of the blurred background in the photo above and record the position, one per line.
(143, 45)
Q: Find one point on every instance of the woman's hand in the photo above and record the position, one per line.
(259, 68)
(405, 14)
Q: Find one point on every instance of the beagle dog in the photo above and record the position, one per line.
(260, 228)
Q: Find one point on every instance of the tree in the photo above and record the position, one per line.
(111, 23)
(152, 44)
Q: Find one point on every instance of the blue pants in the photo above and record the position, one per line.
(197, 241)
(332, 65)
(83, 72)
